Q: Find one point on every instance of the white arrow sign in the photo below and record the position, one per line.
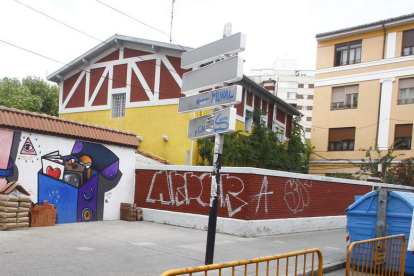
(207, 100)
(217, 122)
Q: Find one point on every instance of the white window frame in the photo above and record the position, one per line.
(118, 112)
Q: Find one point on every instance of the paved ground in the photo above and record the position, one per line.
(143, 248)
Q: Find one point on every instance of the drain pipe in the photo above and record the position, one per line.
(380, 93)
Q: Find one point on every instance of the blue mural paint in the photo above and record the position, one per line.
(62, 195)
(82, 197)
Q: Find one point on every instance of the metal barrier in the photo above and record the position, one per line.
(380, 256)
(303, 263)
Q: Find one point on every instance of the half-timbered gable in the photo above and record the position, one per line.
(134, 84)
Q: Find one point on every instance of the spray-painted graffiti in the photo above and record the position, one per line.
(296, 194)
(263, 192)
(172, 188)
(9, 141)
(76, 184)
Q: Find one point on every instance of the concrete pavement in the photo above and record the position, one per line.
(143, 248)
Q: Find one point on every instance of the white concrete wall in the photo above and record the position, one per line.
(28, 167)
(246, 228)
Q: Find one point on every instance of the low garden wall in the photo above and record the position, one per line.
(253, 202)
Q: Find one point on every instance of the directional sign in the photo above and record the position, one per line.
(224, 96)
(204, 54)
(217, 122)
(226, 71)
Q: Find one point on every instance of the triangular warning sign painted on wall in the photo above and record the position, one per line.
(28, 148)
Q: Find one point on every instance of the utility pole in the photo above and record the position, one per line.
(172, 16)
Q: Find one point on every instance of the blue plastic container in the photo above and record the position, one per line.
(362, 218)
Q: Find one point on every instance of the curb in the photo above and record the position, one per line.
(334, 266)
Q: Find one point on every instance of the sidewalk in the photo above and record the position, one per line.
(142, 248)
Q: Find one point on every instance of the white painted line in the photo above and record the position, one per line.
(279, 241)
(144, 243)
(333, 248)
(85, 248)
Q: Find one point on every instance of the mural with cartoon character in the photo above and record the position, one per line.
(76, 184)
(73, 175)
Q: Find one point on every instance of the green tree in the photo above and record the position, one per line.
(32, 94)
(261, 149)
(48, 93)
(377, 166)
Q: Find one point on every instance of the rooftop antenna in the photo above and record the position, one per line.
(172, 15)
(227, 29)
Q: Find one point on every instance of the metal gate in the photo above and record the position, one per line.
(380, 256)
(295, 263)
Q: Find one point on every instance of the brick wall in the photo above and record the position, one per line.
(248, 194)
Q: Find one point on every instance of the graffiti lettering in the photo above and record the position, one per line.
(263, 192)
(222, 123)
(171, 188)
(296, 194)
(221, 96)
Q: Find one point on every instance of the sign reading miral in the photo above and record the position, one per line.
(217, 122)
(207, 100)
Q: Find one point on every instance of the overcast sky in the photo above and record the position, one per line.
(274, 29)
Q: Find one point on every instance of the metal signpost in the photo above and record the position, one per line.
(221, 66)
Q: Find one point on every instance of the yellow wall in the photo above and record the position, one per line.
(365, 115)
(151, 123)
(370, 49)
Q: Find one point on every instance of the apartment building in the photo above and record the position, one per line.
(364, 94)
(293, 86)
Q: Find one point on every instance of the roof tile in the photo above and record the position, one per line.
(24, 120)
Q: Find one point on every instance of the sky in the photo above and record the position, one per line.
(274, 29)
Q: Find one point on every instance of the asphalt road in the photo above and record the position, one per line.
(143, 248)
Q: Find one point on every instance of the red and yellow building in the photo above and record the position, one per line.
(134, 85)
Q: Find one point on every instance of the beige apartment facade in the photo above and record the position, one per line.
(364, 94)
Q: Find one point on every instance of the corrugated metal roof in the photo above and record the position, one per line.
(42, 123)
(389, 20)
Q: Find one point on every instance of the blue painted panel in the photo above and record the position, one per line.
(62, 195)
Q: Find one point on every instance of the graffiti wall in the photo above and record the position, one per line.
(85, 181)
(248, 193)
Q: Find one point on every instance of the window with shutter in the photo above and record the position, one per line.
(344, 97)
(341, 138)
(403, 136)
(408, 43)
(406, 91)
